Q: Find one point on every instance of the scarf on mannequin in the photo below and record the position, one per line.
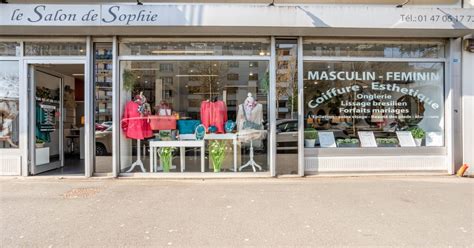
(249, 105)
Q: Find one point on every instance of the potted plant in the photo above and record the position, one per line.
(310, 136)
(39, 143)
(347, 142)
(166, 156)
(418, 134)
(217, 152)
(129, 80)
(387, 142)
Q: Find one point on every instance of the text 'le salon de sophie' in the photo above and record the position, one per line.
(111, 14)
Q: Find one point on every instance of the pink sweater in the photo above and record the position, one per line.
(134, 125)
(214, 114)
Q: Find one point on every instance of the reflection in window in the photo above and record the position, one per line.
(103, 107)
(9, 104)
(234, 64)
(233, 76)
(381, 97)
(55, 48)
(253, 76)
(200, 47)
(384, 49)
(9, 48)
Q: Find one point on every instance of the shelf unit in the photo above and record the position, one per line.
(103, 82)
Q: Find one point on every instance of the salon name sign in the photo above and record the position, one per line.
(110, 14)
(234, 15)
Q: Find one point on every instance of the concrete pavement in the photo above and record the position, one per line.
(415, 211)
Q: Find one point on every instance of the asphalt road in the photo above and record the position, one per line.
(415, 211)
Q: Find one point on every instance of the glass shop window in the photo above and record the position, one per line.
(198, 47)
(373, 104)
(55, 48)
(383, 49)
(9, 48)
(9, 104)
(193, 118)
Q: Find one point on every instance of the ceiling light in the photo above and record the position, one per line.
(192, 75)
(180, 52)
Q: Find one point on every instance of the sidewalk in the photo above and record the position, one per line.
(345, 211)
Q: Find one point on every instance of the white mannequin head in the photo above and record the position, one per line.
(249, 99)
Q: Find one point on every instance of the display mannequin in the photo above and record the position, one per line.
(135, 124)
(163, 109)
(250, 126)
(8, 113)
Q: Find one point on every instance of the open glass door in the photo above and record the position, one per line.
(46, 120)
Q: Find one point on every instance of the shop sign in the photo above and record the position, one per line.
(379, 95)
(252, 15)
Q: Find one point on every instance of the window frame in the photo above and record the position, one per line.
(384, 151)
(164, 58)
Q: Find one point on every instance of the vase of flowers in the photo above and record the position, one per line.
(166, 156)
(217, 149)
(39, 143)
(310, 136)
(418, 134)
(387, 142)
(347, 142)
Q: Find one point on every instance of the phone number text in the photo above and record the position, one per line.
(437, 18)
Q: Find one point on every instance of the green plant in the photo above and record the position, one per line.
(417, 132)
(129, 80)
(265, 83)
(310, 134)
(38, 141)
(347, 141)
(388, 141)
(166, 154)
(217, 153)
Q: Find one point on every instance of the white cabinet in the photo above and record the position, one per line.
(42, 156)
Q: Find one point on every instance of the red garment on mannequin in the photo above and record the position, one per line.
(214, 114)
(134, 125)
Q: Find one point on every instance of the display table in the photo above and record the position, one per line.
(217, 136)
(182, 144)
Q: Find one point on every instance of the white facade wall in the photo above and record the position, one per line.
(468, 109)
(275, 25)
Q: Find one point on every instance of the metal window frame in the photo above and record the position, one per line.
(24, 62)
(116, 88)
(192, 58)
(22, 139)
(126, 39)
(26, 106)
(382, 151)
(23, 66)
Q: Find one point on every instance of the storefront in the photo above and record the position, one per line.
(230, 90)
